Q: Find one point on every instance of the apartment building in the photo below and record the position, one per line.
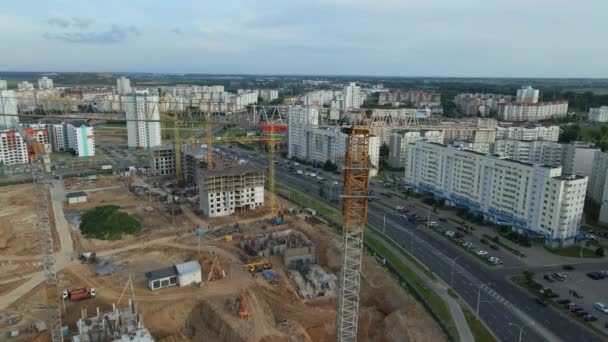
(506, 131)
(417, 98)
(84, 141)
(399, 141)
(269, 95)
(353, 97)
(299, 120)
(123, 86)
(474, 104)
(578, 158)
(527, 95)
(162, 160)
(599, 114)
(3, 85)
(226, 191)
(8, 108)
(25, 85)
(535, 152)
(141, 107)
(598, 184)
(76, 137)
(320, 98)
(534, 199)
(13, 149)
(45, 83)
(528, 112)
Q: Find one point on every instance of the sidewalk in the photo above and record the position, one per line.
(438, 286)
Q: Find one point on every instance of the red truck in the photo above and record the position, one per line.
(79, 294)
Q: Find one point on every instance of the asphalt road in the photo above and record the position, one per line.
(501, 302)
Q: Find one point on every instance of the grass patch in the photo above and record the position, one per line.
(107, 223)
(598, 226)
(452, 294)
(573, 252)
(480, 333)
(429, 297)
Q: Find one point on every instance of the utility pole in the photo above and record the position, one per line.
(521, 328)
(384, 225)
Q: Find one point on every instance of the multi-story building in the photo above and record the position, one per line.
(13, 149)
(399, 142)
(320, 98)
(598, 184)
(45, 83)
(480, 131)
(479, 104)
(3, 85)
(300, 119)
(25, 85)
(123, 86)
(536, 200)
(599, 114)
(578, 158)
(535, 152)
(84, 141)
(525, 112)
(417, 98)
(269, 94)
(226, 191)
(88, 94)
(528, 132)
(140, 107)
(8, 108)
(162, 160)
(527, 95)
(353, 97)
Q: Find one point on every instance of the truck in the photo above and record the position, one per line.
(79, 294)
(87, 257)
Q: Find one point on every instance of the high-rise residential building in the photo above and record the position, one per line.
(8, 108)
(45, 83)
(300, 119)
(528, 132)
(417, 98)
(535, 151)
(526, 112)
(140, 108)
(399, 141)
(527, 95)
(578, 158)
(352, 96)
(479, 104)
(269, 94)
(84, 141)
(123, 86)
(599, 114)
(3, 85)
(598, 184)
(226, 191)
(13, 149)
(537, 200)
(25, 85)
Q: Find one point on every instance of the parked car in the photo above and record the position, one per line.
(399, 208)
(568, 267)
(494, 247)
(482, 253)
(564, 301)
(548, 278)
(484, 241)
(466, 243)
(590, 318)
(540, 301)
(601, 307)
(495, 260)
(450, 233)
(575, 294)
(595, 275)
(558, 276)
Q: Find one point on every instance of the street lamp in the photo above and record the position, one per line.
(384, 224)
(521, 328)
(479, 297)
(453, 263)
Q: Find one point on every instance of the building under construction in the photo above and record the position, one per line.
(116, 326)
(226, 191)
(296, 249)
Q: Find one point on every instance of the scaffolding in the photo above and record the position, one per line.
(354, 209)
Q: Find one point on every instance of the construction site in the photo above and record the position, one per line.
(264, 273)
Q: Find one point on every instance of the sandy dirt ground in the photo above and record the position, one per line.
(18, 232)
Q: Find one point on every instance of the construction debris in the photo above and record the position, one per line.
(124, 324)
(312, 281)
(106, 266)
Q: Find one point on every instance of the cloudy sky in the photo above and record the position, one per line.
(510, 38)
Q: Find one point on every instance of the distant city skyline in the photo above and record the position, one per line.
(435, 38)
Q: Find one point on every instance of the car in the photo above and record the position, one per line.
(450, 233)
(558, 276)
(568, 267)
(601, 307)
(433, 224)
(482, 253)
(575, 308)
(399, 208)
(494, 247)
(575, 294)
(563, 301)
(484, 241)
(495, 260)
(540, 301)
(313, 175)
(472, 246)
(590, 318)
(443, 219)
(548, 278)
(335, 183)
(466, 243)
(604, 273)
(595, 275)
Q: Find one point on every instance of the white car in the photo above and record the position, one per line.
(399, 207)
(466, 243)
(433, 224)
(299, 172)
(495, 260)
(482, 253)
(601, 307)
(313, 175)
(336, 183)
(450, 233)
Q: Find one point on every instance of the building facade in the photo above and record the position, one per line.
(269, 95)
(527, 95)
(529, 112)
(476, 104)
(226, 191)
(599, 114)
(8, 108)
(123, 86)
(45, 83)
(537, 200)
(353, 98)
(578, 158)
(417, 98)
(84, 141)
(535, 152)
(535, 132)
(399, 141)
(141, 107)
(13, 149)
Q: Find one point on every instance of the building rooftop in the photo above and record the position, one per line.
(162, 273)
(76, 194)
(188, 267)
(232, 171)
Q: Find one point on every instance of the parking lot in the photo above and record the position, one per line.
(578, 284)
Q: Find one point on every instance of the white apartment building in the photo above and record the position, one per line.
(475, 104)
(418, 98)
(13, 149)
(535, 152)
(319, 97)
(578, 158)
(299, 119)
(527, 95)
(598, 184)
(534, 199)
(8, 108)
(399, 141)
(226, 191)
(525, 112)
(599, 114)
(3, 85)
(84, 141)
(25, 85)
(353, 97)
(269, 94)
(536, 132)
(45, 83)
(123, 86)
(139, 108)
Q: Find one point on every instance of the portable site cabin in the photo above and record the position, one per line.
(188, 273)
(76, 197)
(164, 277)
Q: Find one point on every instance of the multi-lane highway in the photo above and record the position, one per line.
(500, 301)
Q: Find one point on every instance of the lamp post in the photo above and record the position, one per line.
(479, 297)
(521, 328)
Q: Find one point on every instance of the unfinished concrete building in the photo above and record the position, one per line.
(295, 247)
(118, 325)
(226, 191)
(194, 161)
(162, 160)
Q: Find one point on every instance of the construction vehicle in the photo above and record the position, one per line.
(258, 266)
(241, 307)
(87, 257)
(79, 294)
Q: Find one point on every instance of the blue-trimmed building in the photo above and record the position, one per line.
(534, 199)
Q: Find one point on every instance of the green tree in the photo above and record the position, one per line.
(599, 252)
(107, 223)
(321, 192)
